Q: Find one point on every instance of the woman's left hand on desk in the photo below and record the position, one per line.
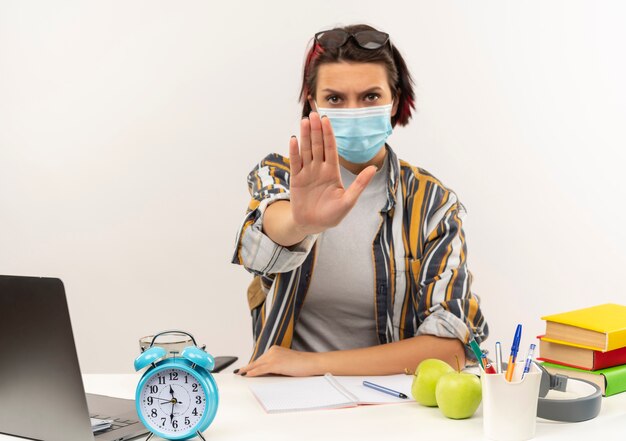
(282, 361)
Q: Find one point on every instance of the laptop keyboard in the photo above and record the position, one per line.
(117, 422)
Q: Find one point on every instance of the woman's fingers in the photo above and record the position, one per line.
(255, 368)
(317, 141)
(257, 371)
(244, 370)
(354, 191)
(282, 361)
(305, 141)
(295, 160)
(330, 144)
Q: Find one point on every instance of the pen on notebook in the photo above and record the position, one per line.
(498, 357)
(514, 348)
(386, 390)
(477, 352)
(529, 359)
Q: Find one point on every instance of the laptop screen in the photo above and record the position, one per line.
(40, 382)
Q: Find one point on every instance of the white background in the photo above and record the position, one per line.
(127, 130)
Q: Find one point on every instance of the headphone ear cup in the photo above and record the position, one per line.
(149, 356)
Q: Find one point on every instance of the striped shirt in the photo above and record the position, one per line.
(422, 283)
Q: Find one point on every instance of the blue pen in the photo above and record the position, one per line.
(529, 359)
(511, 366)
(386, 390)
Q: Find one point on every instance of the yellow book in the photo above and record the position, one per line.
(600, 327)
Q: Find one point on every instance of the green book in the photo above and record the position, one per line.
(611, 380)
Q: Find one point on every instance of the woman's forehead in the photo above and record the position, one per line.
(351, 77)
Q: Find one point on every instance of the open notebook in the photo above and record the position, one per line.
(328, 392)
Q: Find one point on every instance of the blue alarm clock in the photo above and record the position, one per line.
(177, 397)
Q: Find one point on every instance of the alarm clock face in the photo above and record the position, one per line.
(173, 402)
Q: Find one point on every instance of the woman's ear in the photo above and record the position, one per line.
(311, 103)
(394, 108)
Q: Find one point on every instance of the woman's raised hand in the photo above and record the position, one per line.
(318, 198)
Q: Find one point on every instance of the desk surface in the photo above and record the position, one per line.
(240, 417)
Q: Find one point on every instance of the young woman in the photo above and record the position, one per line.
(359, 258)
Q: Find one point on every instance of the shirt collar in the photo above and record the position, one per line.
(392, 182)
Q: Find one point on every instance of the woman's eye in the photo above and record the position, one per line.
(334, 99)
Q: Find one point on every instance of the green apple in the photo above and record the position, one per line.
(458, 394)
(425, 380)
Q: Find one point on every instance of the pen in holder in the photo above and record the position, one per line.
(510, 408)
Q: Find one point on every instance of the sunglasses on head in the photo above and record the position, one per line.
(336, 38)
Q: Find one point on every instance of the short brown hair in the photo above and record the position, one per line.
(399, 78)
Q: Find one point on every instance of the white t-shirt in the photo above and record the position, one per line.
(338, 311)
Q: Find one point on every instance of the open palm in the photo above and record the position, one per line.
(318, 199)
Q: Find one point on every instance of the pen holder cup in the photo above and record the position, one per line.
(510, 408)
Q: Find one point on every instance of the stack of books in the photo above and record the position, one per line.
(588, 343)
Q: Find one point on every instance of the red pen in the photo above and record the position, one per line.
(489, 369)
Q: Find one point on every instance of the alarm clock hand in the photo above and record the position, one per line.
(173, 403)
(165, 399)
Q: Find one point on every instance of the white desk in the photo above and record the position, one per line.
(240, 417)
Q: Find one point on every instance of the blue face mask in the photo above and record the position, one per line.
(360, 132)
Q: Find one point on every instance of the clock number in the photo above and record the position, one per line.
(195, 387)
(154, 389)
(173, 376)
(154, 414)
(198, 399)
(150, 401)
(163, 421)
(186, 379)
(195, 411)
(175, 424)
(187, 421)
(161, 380)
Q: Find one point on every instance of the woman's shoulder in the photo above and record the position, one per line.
(421, 184)
(274, 160)
(409, 172)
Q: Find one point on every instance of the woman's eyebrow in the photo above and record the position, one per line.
(371, 89)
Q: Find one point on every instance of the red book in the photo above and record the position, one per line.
(558, 352)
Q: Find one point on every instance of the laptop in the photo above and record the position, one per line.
(40, 382)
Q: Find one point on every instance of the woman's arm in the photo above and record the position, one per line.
(386, 359)
(268, 185)
(312, 199)
(279, 225)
